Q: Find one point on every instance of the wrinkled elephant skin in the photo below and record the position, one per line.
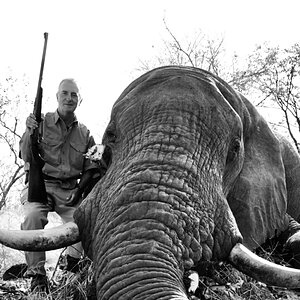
(193, 169)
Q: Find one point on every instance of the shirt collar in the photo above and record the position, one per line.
(57, 118)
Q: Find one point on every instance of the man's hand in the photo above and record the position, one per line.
(75, 197)
(31, 122)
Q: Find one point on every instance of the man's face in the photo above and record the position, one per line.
(67, 97)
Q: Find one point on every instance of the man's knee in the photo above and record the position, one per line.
(34, 220)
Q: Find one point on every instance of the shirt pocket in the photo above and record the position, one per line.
(77, 151)
(50, 150)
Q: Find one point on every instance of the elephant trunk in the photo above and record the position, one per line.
(137, 268)
(150, 228)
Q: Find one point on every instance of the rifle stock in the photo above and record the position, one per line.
(36, 184)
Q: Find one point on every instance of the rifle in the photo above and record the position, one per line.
(36, 184)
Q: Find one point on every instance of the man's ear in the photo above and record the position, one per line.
(80, 100)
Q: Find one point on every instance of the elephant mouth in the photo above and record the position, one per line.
(65, 235)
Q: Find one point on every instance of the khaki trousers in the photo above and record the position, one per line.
(36, 217)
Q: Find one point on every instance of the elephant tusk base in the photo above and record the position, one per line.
(262, 270)
(41, 239)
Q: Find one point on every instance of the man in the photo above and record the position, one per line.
(64, 143)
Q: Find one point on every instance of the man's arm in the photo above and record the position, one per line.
(25, 143)
(87, 181)
(24, 146)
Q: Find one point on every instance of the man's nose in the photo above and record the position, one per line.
(69, 97)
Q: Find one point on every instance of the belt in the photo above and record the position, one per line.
(47, 177)
(69, 183)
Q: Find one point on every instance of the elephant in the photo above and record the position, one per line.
(194, 174)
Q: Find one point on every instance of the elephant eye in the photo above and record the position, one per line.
(234, 151)
(111, 137)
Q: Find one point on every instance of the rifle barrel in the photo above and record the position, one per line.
(43, 61)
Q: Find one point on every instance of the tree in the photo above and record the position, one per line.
(13, 91)
(200, 52)
(269, 76)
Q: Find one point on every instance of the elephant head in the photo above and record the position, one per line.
(193, 172)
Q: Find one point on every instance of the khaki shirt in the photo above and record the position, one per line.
(63, 148)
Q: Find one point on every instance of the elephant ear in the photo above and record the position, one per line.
(258, 198)
(291, 161)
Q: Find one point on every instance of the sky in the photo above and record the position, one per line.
(101, 43)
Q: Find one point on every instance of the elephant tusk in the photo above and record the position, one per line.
(194, 284)
(41, 239)
(262, 270)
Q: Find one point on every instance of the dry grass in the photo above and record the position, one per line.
(63, 285)
(226, 283)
